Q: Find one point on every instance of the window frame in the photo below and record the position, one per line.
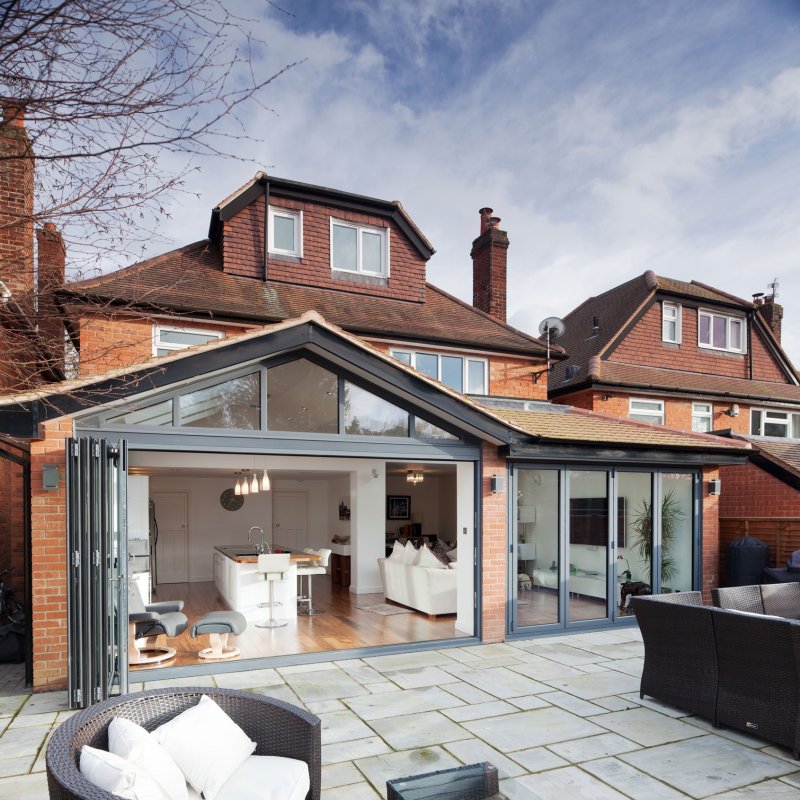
(709, 415)
(177, 348)
(360, 230)
(792, 420)
(707, 312)
(657, 418)
(677, 319)
(465, 360)
(297, 216)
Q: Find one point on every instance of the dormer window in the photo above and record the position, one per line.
(285, 232)
(671, 323)
(358, 248)
(720, 331)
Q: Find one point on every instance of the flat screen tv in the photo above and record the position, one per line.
(588, 521)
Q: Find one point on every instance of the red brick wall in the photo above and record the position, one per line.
(710, 536)
(493, 542)
(643, 345)
(12, 524)
(749, 491)
(243, 252)
(513, 377)
(489, 260)
(49, 560)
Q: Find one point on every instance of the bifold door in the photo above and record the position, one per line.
(97, 586)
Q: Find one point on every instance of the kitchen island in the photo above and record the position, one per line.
(245, 589)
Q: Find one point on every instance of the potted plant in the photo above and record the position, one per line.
(642, 527)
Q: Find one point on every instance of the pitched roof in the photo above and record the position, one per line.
(566, 423)
(611, 373)
(781, 452)
(614, 310)
(190, 281)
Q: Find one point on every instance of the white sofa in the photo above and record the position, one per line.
(427, 589)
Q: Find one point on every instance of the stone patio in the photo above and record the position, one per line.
(560, 718)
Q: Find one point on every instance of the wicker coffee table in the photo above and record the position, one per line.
(473, 782)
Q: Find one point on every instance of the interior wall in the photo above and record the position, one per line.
(433, 504)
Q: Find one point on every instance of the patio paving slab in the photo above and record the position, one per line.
(351, 750)
(324, 685)
(600, 684)
(425, 658)
(25, 787)
(529, 702)
(356, 791)
(541, 669)
(340, 774)
(467, 692)
(23, 742)
(602, 746)
(418, 730)
(406, 701)
(250, 679)
(479, 711)
(498, 681)
(647, 727)
(418, 677)
(531, 729)
(471, 751)
(768, 790)
(568, 782)
(708, 765)
(16, 766)
(569, 702)
(538, 759)
(379, 769)
(630, 781)
(342, 726)
(45, 702)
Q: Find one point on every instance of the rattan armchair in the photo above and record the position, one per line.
(773, 599)
(278, 728)
(680, 662)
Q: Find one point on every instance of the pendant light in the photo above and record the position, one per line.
(265, 484)
(237, 490)
(254, 485)
(245, 485)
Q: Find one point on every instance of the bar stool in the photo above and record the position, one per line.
(274, 566)
(308, 571)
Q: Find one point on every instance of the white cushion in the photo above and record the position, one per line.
(410, 554)
(206, 744)
(427, 559)
(133, 743)
(398, 552)
(118, 776)
(267, 778)
(452, 555)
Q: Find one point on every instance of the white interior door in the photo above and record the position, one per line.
(172, 545)
(290, 520)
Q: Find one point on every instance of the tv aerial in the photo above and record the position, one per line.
(551, 328)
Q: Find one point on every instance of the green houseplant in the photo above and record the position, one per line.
(642, 528)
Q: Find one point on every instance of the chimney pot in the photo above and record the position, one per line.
(494, 222)
(485, 213)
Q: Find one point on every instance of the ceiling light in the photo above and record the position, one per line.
(245, 485)
(254, 485)
(265, 485)
(237, 490)
(414, 476)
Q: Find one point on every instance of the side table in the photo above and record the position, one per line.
(472, 782)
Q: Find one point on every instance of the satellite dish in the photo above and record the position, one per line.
(552, 328)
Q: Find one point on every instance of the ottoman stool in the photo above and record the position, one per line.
(218, 624)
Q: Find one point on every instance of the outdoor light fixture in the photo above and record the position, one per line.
(265, 485)
(715, 486)
(497, 484)
(733, 411)
(50, 477)
(414, 476)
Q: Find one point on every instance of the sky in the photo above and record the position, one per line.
(610, 137)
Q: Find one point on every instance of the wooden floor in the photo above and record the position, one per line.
(540, 607)
(341, 627)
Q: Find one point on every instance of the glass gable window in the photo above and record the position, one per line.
(285, 232)
(702, 417)
(356, 248)
(427, 430)
(781, 424)
(647, 410)
(302, 396)
(720, 332)
(457, 372)
(365, 414)
(233, 405)
(671, 322)
(157, 414)
(167, 339)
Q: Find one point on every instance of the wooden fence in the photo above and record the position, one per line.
(781, 534)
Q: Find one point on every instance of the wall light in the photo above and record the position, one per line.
(50, 477)
(715, 486)
(733, 411)
(497, 484)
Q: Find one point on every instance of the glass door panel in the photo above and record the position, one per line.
(536, 550)
(634, 561)
(677, 490)
(587, 546)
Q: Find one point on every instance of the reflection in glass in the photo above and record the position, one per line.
(344, 246)
(428, 364)
(368, 415)
(234, 404)
(476, 377)
(371, 245)
(537, 554)
(634, 535)
(427, 430)
(302, 396)
(453, 372)
(587, 547)
(283, 233)
(156, 414)
(676, 532)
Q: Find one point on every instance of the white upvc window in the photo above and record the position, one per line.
(671, 322)
(359, 248)
(646, 410)
(720, 331)
(467, 375)
(285, 232)
(702, 417)
(781, 424)
(167, 339)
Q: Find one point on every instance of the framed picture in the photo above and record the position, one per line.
(398, 506)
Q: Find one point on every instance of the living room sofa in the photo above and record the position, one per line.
(735, 667)
(431, 590)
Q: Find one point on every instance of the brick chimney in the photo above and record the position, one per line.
(51, 258)
(770, 311)
(16, 208)
(489, 258)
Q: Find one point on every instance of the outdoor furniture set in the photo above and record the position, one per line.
(735, 664)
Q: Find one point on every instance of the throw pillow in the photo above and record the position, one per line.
(452, 555)
(268, 778)
(132, 742)
(428, 559)
(410, 554)
(398, 551)
(440, 550)
(206, 744)
(118, 776)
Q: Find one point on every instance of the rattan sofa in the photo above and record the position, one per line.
(278, 728)
(736, 667)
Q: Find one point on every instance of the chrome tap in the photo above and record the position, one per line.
(262, 546)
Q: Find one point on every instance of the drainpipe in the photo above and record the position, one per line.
(750, 342)
(266, 228)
